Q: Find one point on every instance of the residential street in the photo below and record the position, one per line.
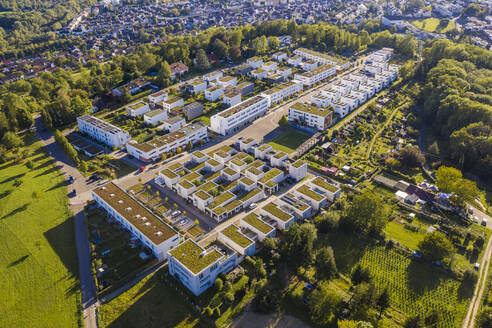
(87, 286)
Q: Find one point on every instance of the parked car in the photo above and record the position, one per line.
(175, 213)
(476, 266)
(476, 219)
(252, 206)
(484, 222)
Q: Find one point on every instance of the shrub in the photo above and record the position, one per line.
(218, 284)
(216, 312)
(470, 277)
(209, 312)
(229, 297)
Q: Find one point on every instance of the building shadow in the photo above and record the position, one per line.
(62, 240)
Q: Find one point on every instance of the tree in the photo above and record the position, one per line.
(451, 180)
(325, 264)
(413, 322)
(360, 274)
(235, 53)
(201, 60)
(218, 284)
(83, 166)
(383, 301)
(411, 156)
(220, 49)
(436, 246)
(284, 121)
(273, 42)
(11, 140)
(229, 298)
(322, 304)
(164, 74)
(368, 213)
(299, 244)
(189, 146)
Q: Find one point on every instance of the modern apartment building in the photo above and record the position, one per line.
(316, 75)
(137, 109)
(238, 116)
(311, 116)
(155, 116)
(282, 91)
(102, 131)
(142, 223)
(152, 150)
(323, 59)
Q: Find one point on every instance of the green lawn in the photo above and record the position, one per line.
(288, 141)
(408, 238)
(433, 25)
(38, 260)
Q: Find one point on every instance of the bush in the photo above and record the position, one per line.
(216, 312)
(470, 277)
(209, 312)
(29, 164)
(229, 298)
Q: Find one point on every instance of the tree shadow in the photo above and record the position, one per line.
(465, 291)
(18, 261)
(423, 277)
(62, 240)
(12, 178)
(73, 289)
(15, 211)
(348, 249)
(5, 193)
(58, 185)
(48, 171)
(44, 164)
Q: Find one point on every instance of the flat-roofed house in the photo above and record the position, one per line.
(137, 109)
(331, 189)
(142, 223)
(254, 223)
(102, 131)
(316, 199)
(155, 116)
(318, 118)
(281, 219)
(298, 170)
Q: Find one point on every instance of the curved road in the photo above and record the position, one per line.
(87, 286)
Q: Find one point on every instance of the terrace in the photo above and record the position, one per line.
(277, 212)
(270, 175)
(253, 220)
(233, 205)
(232, 232)
(194, 257)
(192, 176)
(311, 109)
(322, 183)
(222, 198)
(186, 184)
(241, 106)
(207, 186)
(306, 191)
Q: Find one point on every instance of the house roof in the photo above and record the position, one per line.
(194, 257)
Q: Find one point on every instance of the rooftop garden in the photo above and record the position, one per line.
(305, 190)
(213, 162)
(229, 171)
(256, 164)
(280, 155)
(251, 194)
(186, 184)
(198, 154)
(277, 212)
(270, 175)
(232, 232)
(233, 205)
(247, 181)
(213, 176)
(203, 195)
(222, 198)
(264, 147)
(238, 162)
(188, 254)
(299, 163)
(192, 176)
(207, 186)
(253, 220)
(175, 166)
(195, 231)
(322, 183)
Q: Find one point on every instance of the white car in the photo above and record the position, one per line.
(252, 206)
(475, 219)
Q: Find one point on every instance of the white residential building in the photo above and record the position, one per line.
(282, 91)
(316, 75)
(102, 131)
(232, 96)
(197, 86)
(269, 66)
(238, 116)
(173, 123)
(311, 116)
(212, 76)
(294, 61)
(330, 189)
(227, 81)
(258, 73)
(285, 72)
(255, 62)
(319, 57)
(173, 102)
(309, 65)
(196, 267)
(152, 150)
(142, 223)
(158, 97)
(310, 196)
(279, 56)
(279, 217)
(155, 116)
(137, 109)
(254, 223)
(298, 170)
(214, 93)
(341, 108)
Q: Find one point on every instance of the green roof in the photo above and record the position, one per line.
(137, 105)
(277, 212)
(188, 254)
(233, 205)
(203, 195)
(154, 112)
(213, 176)
(256, 164)
(280, 154)
(207, 186)
(238, 162)
(213, 162)
(222, 198)
(255, 171)
(247, 181)
(320, 182)
(251, 194)
(186, 184)
(232, 232)
(172, 100)
(168, 173)
(264, 147)
(231, 185)
(222, 154)
(192, 176)
(305, 190)
(198, 167)
(253, 220)
(219, 210)
(298, 163)
(247, 140)
(175, 166)
(309, 109)
(229, 171)
(270, 175)
(317, 70)
(198, 154)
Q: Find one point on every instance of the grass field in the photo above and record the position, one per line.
(433, 25)
(38, 261)
(288, 141)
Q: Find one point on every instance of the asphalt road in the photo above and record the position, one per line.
(87, 285)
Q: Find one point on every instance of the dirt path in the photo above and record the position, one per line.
(469, 321)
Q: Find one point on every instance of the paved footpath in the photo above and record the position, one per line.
(77, 203)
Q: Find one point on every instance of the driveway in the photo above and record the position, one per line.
(87, 286)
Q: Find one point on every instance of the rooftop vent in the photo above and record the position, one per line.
(147, 223)
(137, 216)
(128, 209)
(111, 195)
(158, 233)
(143, 218)
(103, 188)
(120, 202)
(202, 254)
